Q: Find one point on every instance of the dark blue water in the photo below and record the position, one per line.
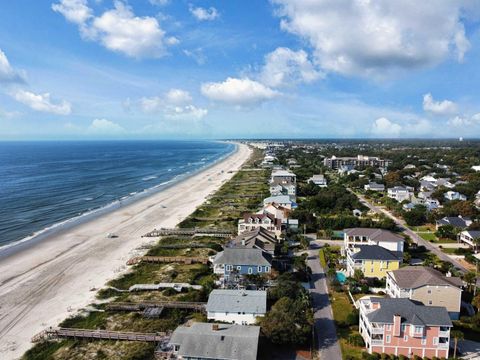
(43, 184)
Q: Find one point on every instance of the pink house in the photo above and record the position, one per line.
(404, 327)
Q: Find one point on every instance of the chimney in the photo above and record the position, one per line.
(397, 320)
(215, 327)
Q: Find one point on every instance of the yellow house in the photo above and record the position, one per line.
(374, 261)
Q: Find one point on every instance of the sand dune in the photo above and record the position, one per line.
(45, 283)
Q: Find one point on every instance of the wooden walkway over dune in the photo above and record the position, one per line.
(54, 333)
(190, 232)
(128, 306)
(168, 259)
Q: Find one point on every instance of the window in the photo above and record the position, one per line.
(239, 268)
(435, 341)
(388, 339)
(424, 341)
(429, 302)
(404, 327)
(259, 269)
(405, 338)
(418, 329)
(250, 270)
(429, 291)
(267, 268)
(229, 267)
(389, 327)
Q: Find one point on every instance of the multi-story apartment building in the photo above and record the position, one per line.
(358, 161)
(370, 236)
(404, 327)
(372, 260)
(428, 286)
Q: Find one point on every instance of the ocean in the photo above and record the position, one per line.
(47, 186)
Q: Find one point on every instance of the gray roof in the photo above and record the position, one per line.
(412, 277)
(229, 342)
(243, 256)
(411, 312)
(258, 238)
(455, 221)
(375, 252)
(280, 199)
(374, 234)
(248, 301)
(473, 233)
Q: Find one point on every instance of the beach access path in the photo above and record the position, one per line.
(45, 283)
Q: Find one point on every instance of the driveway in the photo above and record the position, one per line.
(416, 238)
(326, 333)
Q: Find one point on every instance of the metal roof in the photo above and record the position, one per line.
(235, 301)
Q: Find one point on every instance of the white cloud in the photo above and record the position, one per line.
(187, 112)
(285, 67)
(178, 96)
(105, 127)
(174, 104)
(203, 14)
(7, 72)
(240, 92)
(462, 120)
(159, 2)
(42, 102)
(383, 127)
(75, 11)
(362, 37)
(118, 29)
(445, 107)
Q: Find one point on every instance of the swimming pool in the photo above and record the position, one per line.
(341, 277)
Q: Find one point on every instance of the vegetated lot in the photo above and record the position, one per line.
(428, 236)
(221, 211)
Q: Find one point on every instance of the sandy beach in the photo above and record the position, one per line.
(49, 281)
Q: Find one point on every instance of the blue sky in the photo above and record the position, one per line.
(94, 69)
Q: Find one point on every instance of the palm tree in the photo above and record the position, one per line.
(457, 335)
(470, 278)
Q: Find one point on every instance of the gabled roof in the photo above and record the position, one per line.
(229, 342)
(473, 233)
(276, 173)
(454, 221)
(374, 234)
(234, 301)
(243, 256)
(412, 277)
(375, 252)
(411, 312)
(280, 199)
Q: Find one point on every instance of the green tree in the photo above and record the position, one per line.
(417, 216)
(288, 322)
(456, 335)
(470, 278)
(447, 232)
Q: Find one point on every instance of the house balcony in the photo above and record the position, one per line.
(444, 345)
(376, 342)
(376, 330)
(445, 334)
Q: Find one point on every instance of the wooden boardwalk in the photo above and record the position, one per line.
(127, 306)
(53, 333)
(190, 232)
(168, 259)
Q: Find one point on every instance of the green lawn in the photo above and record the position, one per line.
(428, 236)
(323, 261)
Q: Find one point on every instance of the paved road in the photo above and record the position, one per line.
(327, 342)
(416, 238)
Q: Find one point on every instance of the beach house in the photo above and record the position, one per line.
(428, 286)
(256, 239)
(470, 237)
(236, 306)
(454, 195)
(404, 327)
(400, 193)
(241, 261)
(318, 180)
(458, 222)
(373, 186)
(284, 179)
(215, 342)
(370, 236)
(282, 200)
(372, 260)
(267, 221)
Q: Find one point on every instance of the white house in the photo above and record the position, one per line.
(469, 237)
(373, 186)
(318, 180)
(267, 221)
(369, 236)
(454, 195)
(236, 306)
(400, 193)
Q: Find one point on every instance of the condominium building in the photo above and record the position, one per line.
(358, 161)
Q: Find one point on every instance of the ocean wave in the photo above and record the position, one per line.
(146, 178)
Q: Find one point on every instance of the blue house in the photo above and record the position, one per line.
(242, 261)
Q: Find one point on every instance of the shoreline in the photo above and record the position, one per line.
(11, 248)
(48, 281)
